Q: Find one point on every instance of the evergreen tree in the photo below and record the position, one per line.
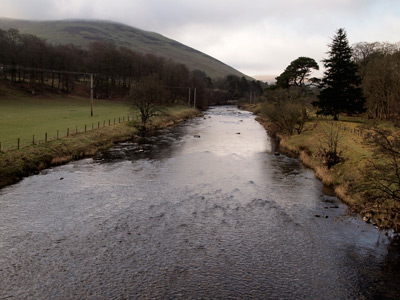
(341, 92)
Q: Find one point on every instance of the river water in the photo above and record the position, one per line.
(203, 210)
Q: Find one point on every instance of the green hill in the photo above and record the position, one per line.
(83, 32)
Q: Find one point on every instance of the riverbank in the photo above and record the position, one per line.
(347, 177)
(16, 164)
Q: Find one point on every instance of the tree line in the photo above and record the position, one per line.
(33, 63)
(364, 81)
(379, 69)
(364, 78)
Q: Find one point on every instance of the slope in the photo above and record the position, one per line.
(83, 32)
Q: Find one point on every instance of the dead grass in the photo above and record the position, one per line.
(17, 164)
(346, 176)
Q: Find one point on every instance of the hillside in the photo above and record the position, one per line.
(83, 32)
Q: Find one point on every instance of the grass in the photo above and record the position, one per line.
(23, 116)
(348, 176)
(353, 151)
(16, 164)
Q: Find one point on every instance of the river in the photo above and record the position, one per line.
(202, 210)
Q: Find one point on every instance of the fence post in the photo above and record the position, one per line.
(0, 146)
(33, 140)
(76, 129)
(67, 132)
(45, 137)
(57, 134)
(109, 122)
(119, 120)
(18, 144)
(128, 118)
(85, 127)
(98, 124)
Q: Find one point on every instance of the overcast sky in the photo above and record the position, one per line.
(257, 37)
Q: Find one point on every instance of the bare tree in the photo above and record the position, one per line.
(382, 178)
(329, 139)
(145, 96)
(286, 108)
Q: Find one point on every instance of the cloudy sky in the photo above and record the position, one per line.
(257, 37)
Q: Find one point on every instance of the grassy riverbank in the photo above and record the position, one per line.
(16, 164)
(347, 177)
(23, 116)
(29, 118)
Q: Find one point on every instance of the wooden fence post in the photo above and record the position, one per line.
(18, 143)
(0, 146)
(85, 127)
(33, 140)
(45, 137)
(67, 131)
(98, 124)
(57, 134)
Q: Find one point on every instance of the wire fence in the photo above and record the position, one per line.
(361, 132)
(58, 134)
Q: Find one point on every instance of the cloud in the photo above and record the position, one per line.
(254, 36)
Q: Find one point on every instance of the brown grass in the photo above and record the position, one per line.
(346, 176)
(17, 164)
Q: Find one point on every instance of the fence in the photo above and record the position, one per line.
(45, 138)
(363, 133)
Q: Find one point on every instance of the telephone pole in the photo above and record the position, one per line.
(91, 95)
(194, 100)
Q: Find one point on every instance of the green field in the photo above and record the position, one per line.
(23, 116)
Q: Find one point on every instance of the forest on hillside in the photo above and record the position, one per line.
(32, 63)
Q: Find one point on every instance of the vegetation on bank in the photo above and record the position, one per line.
(16, 164)
(345, 125)
(29, 118)
(352, 175)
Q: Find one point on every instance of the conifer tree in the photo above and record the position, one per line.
(341, 91)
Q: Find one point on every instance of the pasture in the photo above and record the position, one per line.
(31, 117)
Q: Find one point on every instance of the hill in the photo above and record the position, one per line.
(83, 32)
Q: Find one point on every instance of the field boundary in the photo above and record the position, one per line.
(52, 135)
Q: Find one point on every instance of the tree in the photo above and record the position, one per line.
(381, 181)
(297, 72)
(329, 139)
(285, 108)
(379, 65)
(341, 92)
(145, 96)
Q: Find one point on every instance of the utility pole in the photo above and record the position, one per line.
(194, 100)
(91, 95)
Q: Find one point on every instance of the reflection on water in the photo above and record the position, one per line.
(203, 210)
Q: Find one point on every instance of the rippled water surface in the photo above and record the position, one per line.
(204, 210)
